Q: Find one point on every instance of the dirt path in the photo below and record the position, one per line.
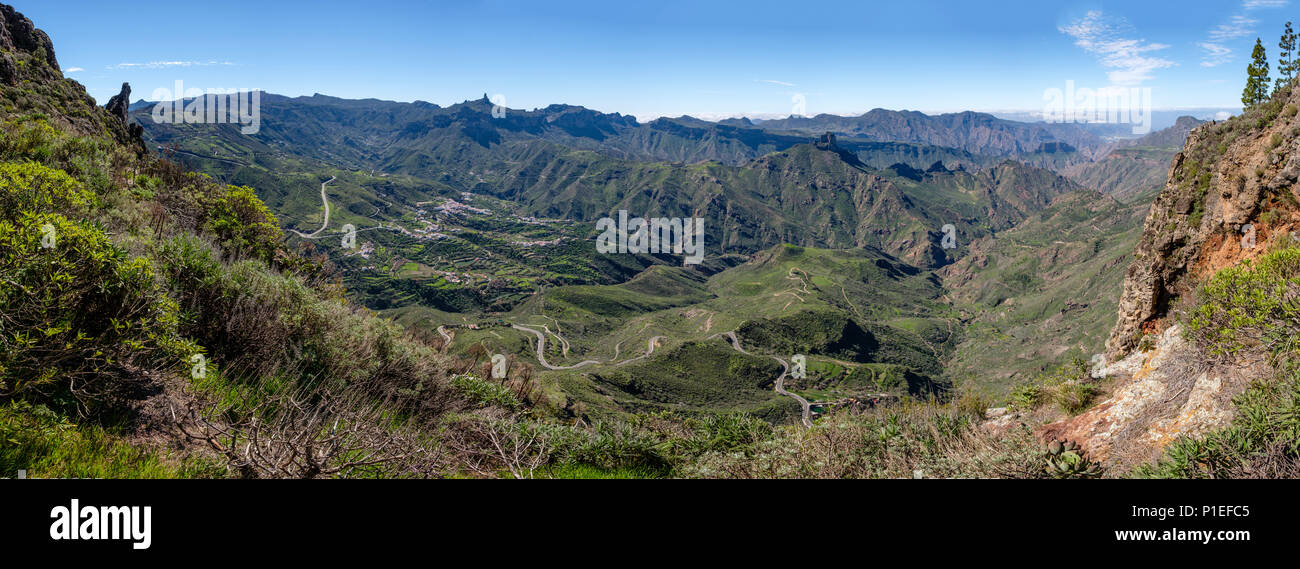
(845, 292)
(802, 286)
(649, 349)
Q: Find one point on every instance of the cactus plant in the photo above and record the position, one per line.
(1066, 460)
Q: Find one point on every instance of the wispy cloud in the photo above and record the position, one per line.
(775, 82)
(1215, 54)
(1238, 26)
(73, 70)
(167, 64)
(1128, 58)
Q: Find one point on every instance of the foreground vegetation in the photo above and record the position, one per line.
(1249, 311)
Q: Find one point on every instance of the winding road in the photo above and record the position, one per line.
(651, 344)
(541, 348)
(541, 351)
(326, 223)
(804, 406)
(780, 381)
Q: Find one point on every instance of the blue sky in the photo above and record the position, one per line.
(665, 57)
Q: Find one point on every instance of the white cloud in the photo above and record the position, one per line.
(1215, 54)
(73, 70)
(1129, 58)
(775, 82)
(167, 64)
(1238, 26)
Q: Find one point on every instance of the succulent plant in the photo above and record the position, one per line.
(1066, 460)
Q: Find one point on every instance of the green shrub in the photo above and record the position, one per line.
(1026, 395)
(78, 316)
(617, 446)
(1074, 397)
(1069, 387)
(1270, 217)
(727, 432)
(1244, 305)
(32, 188)
(28, 139)
(483, 392)
(243, 223)
(257, 323)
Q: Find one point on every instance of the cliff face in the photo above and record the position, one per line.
(30, 79)
(1230, 192)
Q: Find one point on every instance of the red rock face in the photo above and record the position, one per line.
(1158, 396)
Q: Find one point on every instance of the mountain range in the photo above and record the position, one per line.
(887, 181)
(881, 295)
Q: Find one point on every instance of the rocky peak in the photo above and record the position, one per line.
(1187, 122)
(20, 40)
(120, 103)
(827, 142)
(120, 106)
(29, 69)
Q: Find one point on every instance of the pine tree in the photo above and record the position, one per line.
(1286, 59)
(1256, 90)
